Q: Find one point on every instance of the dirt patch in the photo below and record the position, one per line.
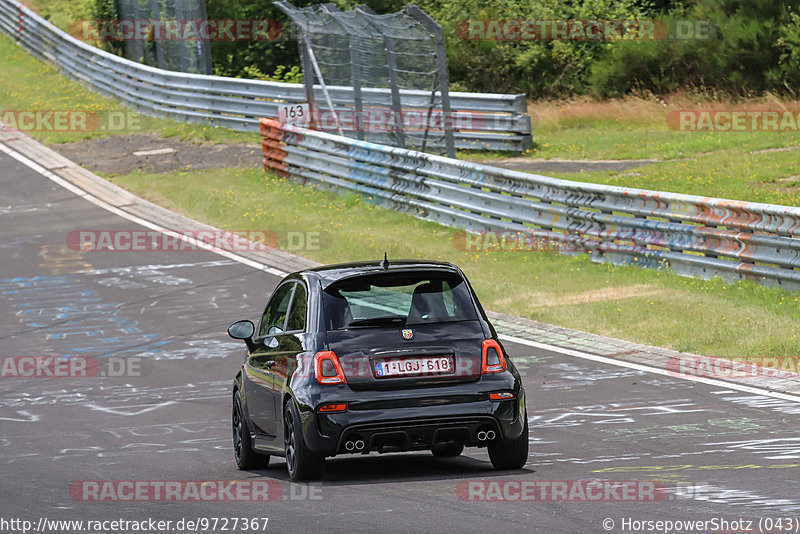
(779, 149)
(546, 300)
(608, 293)
(787, 184)
(124, 154)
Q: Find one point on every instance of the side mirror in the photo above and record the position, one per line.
(242, 330)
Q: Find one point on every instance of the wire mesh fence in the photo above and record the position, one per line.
(395, 52)
(164, 45)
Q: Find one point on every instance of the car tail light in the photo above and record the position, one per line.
(501, 395)
(492, 359)
(327, 369)
(332, 408)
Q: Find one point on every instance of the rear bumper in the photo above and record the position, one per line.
(417, 435)
(390, 424)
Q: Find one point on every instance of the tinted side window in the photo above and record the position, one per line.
(275, 312)
(297, 314)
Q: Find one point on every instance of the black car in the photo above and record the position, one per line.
(375, 356)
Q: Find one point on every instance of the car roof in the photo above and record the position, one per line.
(329, 274)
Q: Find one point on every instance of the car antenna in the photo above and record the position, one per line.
(385, 262)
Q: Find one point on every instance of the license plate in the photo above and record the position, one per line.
(413, 366)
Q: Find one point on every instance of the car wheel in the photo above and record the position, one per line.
(246, 457)
(512, 453)
(447, 450)
(301, 463)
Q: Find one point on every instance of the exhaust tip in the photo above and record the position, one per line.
(481, 436)
(350, 445)
(359, 445)
(490, 434)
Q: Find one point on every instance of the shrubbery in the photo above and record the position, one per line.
(754, 46)
(538, 68)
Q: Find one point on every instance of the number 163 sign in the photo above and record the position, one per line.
(298, 114)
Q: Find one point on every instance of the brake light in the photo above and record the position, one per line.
(503, 395)
(331, 408)
(492, 359)
(327, 369)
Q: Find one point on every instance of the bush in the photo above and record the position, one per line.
(754, 47)
(538, 68)
(107, 10)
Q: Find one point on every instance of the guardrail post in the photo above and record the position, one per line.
(207, 65)
(20, 22)
(355, 77)
(308, 76)
(157, 43)
(444, 81)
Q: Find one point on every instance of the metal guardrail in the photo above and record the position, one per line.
(500, 120)
(695, 236)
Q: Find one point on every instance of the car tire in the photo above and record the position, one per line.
(246, 457)
(511, 453)
(448, 450)
(301, 463)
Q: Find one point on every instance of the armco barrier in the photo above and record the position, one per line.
(695, 236)
(501, 120)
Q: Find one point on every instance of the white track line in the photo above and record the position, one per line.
(263, 267)
(655, 370)
(133, 218)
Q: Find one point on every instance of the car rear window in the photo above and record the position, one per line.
(397, 299)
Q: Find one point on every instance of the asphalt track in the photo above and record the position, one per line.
(720, 454)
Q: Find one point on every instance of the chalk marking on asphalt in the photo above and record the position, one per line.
(133, 218)
(28, 417)
(263, 267)
(655, 370)
(156, 152)
(126, 410)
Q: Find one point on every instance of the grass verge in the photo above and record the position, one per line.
(653, 307)
(26, 84)
(638, 128)
(771, 176)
